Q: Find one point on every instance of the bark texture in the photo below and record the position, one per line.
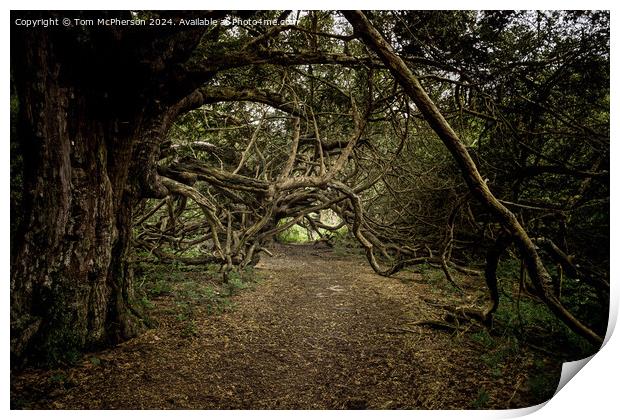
(70, 285)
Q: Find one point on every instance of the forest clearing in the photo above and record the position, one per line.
(306, 209)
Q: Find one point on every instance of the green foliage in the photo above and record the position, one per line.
(159, 288)
(62, 344)
(233, 284)
(482, 399)
(58, 378)
(483, 338)
(193, 289)
(344, 243)
(58, 381)
(63, 347)
(501, 352)
(523, 89)
(436, 278)
(497, 352)
(146, 303)
(582, 300)
(293, 235)
(189, 329)
(543, 385)
(527, 319)
(543, 380)
(340, 239)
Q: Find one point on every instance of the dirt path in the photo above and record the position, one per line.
(319, 331)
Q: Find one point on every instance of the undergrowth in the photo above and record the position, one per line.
(520, 323)
(189, 291)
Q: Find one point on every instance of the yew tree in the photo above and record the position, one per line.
(438, 138)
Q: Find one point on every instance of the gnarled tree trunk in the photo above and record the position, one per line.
(91, 99)
(70, 283)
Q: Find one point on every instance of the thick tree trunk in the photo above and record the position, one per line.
(70, 281)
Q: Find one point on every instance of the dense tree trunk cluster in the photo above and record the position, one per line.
(201, 146)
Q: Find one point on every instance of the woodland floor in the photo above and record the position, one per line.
(320, 330)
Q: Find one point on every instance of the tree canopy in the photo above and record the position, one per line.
(449, 138)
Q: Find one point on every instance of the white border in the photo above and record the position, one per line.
(592, 394)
